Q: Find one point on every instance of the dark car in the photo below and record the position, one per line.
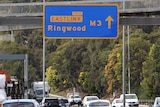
(53, 102)
(64, 102)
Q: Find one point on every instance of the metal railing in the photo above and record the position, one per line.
(36, 8)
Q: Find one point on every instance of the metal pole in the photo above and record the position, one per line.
(43, 63)
(129, 75)
(124, 72)
(43, 67)
(124, 84)
(26, 76)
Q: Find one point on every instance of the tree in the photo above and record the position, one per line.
(16, 67)
(82, 80)
(151, 72)
(52, 77)
(139, 49)
(113, 70)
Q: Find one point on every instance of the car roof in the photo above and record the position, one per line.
(50, 98)
(130, 94)
(90, 96)
(100, 100)
(104, 100)
(63, 98)
(86, 97)
(158, 97)
(117, 100)
(19, 100)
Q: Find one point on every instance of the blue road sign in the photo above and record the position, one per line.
(96, 21)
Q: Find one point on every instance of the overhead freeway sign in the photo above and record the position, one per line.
(93, 21)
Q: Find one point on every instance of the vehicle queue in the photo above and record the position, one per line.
(87, 101)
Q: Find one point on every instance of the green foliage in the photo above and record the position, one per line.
(113, 70)
(52, 77)
(139, 48)
(15, 67)
(75, 56)
(82, 80)
(92, 66)
(151, 71)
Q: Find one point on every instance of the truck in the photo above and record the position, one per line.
(74, 98)
(36, 91)
(10, 87)
(2, 88)
(14, 87)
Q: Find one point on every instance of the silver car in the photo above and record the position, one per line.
(20, 103)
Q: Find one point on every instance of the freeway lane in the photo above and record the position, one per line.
(57, 96)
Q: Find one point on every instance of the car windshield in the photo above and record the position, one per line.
(75, 96)
(39, 92)
(19, 104)
(118, 101)
(99, 104)
(93, 98)
(51, 102)
(130, 97)
(158, 101)
(65, 100)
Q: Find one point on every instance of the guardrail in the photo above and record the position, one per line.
(146, 103)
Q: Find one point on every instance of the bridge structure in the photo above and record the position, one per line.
(16, 16)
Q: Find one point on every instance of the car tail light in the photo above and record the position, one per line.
(59, 103)
(43, 103)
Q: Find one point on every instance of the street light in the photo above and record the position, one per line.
(124, 85)
(129, 74)
(44, 46)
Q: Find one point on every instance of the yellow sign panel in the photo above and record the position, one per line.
(75, 17)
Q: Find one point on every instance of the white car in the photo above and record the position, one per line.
(157, 102)
(98, 103)
(130, 100)
(20, 103)
(117, 103)
(89, 98)
(74, 99)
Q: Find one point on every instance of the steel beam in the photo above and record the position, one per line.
(18, 23)
(140, 21)
(12, 56)
(28, 20)
(37, 21)
(19, 27)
